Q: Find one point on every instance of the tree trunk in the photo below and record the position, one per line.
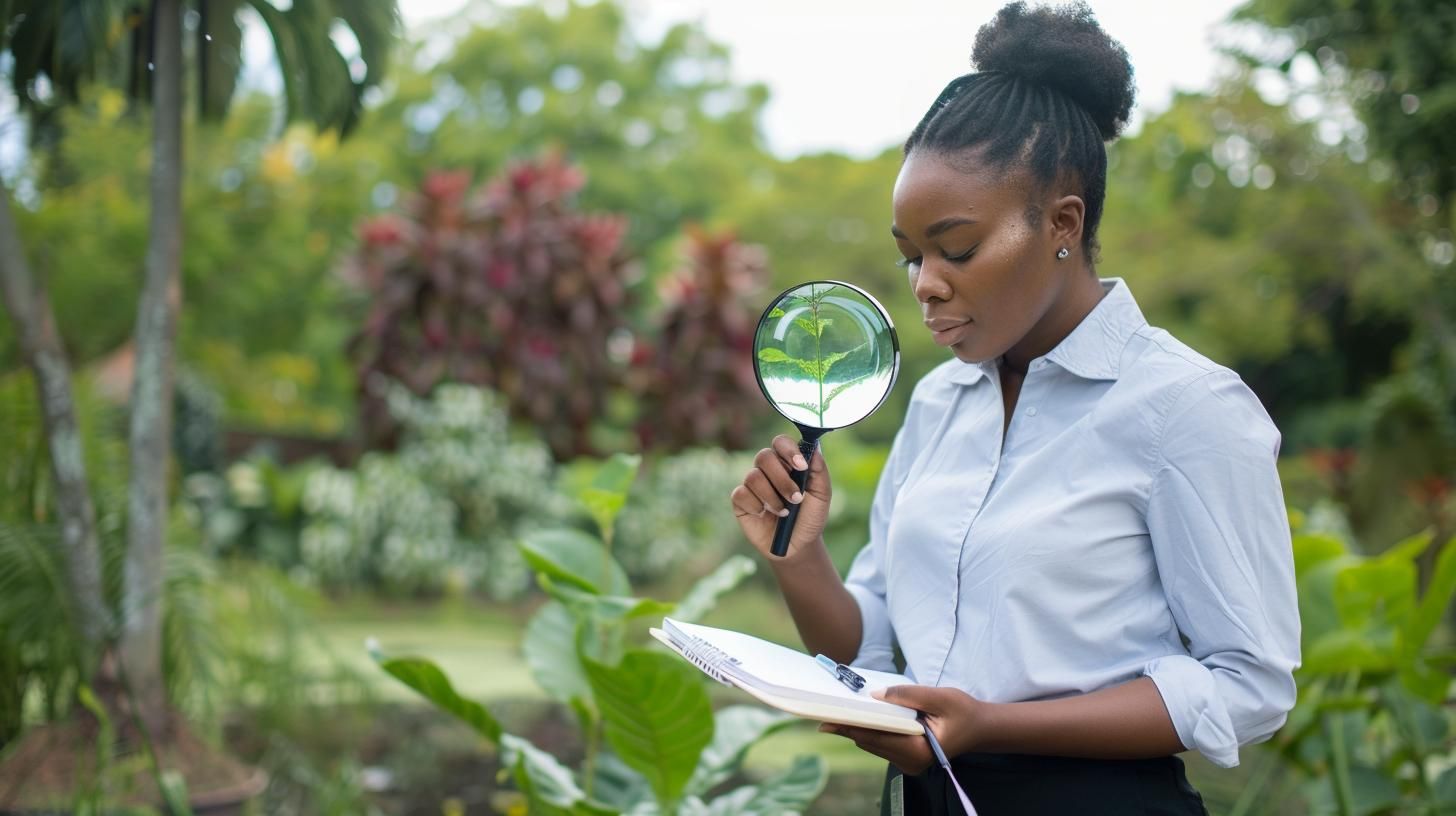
(40, 344)
(151, 400)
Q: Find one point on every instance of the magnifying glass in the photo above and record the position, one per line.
(826, 356)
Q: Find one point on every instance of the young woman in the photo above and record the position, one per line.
(1079, 541)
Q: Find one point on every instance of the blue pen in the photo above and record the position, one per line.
(844, 674)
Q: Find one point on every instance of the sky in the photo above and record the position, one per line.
(855, 76)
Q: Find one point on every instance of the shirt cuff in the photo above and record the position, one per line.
(876, 645)
(1196, 708)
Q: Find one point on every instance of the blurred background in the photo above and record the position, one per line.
(439, 273)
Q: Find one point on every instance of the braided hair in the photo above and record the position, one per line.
(1051, 90)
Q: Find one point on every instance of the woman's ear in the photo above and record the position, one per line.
(1065, 221)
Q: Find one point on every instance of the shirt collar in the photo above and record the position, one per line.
(1093, 350)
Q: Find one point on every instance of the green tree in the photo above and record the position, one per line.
(57, 49)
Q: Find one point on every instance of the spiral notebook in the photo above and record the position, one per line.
(787, 679)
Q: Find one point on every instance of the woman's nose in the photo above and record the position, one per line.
(928, 283)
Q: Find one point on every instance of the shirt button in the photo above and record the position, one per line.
(1031, 411)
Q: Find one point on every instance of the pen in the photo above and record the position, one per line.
(841, 672)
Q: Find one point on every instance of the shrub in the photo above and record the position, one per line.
(508, 287)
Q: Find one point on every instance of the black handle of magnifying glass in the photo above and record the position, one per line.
(785, 527)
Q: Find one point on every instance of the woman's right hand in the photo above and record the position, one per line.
(768, 490)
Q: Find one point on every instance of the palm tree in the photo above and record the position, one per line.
(58, 47)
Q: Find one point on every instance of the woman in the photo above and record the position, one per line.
(1079, 542)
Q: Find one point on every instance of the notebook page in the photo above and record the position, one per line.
(792, 673)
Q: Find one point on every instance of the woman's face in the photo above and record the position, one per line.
(985, 275)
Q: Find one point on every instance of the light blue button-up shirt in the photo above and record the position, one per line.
(1129, 523)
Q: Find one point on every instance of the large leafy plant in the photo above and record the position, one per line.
(1370, 730)
(666, 751)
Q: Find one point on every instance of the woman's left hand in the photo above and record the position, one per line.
(951, 714)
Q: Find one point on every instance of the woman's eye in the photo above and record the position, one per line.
(908, 262)
(964, 256)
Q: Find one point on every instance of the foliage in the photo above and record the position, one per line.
(693, 373)
(440, 513)
(508, 287)
(1392, 62)
(668, 750)
(677, 520)
(1369, 728)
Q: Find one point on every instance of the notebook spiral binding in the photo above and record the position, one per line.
(708, 657)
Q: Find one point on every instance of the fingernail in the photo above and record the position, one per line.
(878, 694)
(783, 512)
(796, 498)
(799, 462)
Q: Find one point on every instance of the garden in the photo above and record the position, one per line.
(354, 429)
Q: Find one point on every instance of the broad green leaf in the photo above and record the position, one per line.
(1346, 649)
(548, 785)
(1434, 603)
(790, 792)
(1318, 614)
(1378, 590)
(1445, 787)
(1420, 679)
(1372, 792)
(656, 715)
(735, 730)
(1311, 550)
(619, 786)
(773, 355)
(1409, 549)
(705, 593)
(575, 558)
(550, 652)
(427, 679)
(1422, 724)
(613, 608)
(605, 497)
(776, 312)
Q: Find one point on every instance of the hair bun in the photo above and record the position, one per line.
(1062, 48)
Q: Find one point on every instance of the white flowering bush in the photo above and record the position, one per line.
(441, 513)
(681, 513)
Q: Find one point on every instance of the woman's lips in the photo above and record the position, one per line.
(952, 335)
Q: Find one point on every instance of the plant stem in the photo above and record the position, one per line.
(593, 744)
(818, 354)
(1334, 727)
(1254, 786)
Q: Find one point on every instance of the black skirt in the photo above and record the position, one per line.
(1022, 785)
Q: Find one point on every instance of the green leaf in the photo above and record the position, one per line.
(735, 730)
(1376, 591)
(656, 715)
(550, 652)
(548, 785)
(790, 792)
(426, 678)
(1345, 649)
(776, 312)
(605, 494)
(705, 593)
(1312, 550)
(604, 607)
(1434, 603)
(773, 355)
(1372, 792)
(575, 558)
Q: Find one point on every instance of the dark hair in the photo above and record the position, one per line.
(1052, 87)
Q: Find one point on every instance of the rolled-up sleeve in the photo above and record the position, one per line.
(1220, 534)
(866, 577)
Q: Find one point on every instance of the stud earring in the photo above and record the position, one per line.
(1062, 253)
